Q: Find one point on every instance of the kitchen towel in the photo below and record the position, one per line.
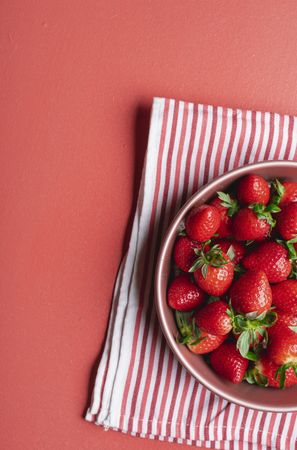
(140, 387)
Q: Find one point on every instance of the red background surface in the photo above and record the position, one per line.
(77, 81)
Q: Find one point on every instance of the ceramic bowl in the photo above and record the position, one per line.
(252, 396)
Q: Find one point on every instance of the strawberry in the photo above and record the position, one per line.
(184, 295)
(247, 226)
(287, 221)
(283, 318)
(286, 192)
(284, 296)
(224, 229)
(213, 318)
(234, 249)
(202, 222)
(183, 254)
(253, 189)
(208, 343)
(291, 247)
(265, 373)
(251, 293)
(228, 362)
(282, 349)
(213, 271)
(198, 341)
(272, 258)
(290, 192)
(227, 207)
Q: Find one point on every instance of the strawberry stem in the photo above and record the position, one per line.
(264, 212)
(253, 376)
(229, 203)
(188, 330)
(279, 191)
(249, 327)
(213, 257)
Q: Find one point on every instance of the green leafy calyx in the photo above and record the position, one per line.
(213, 257)
(189, 333)
(249, 328)
(265, 212)
(229, 203)
(279, 191)
(254, 376)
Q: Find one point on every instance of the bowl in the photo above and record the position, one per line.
(252, 396)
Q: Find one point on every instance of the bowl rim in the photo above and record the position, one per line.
(160, 304)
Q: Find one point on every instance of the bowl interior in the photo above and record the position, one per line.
(268, 399)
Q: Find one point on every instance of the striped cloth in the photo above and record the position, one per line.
(140, 387)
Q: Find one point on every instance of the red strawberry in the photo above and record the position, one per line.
(213, 318)
(232, 247)
(272, 258)
(251, 293)
(207, 343)
(286, 192)
(213, 271)
(227, 207)
(202, 222)
(224, 229)
(283, 319)
(197, 341)
(253, 189)
(290, 192)
(184, 295)
(284, 296)
(218, 279)
(264, 373)
(247, 226)
(228, 362)
(183, 253)
(287, 221)
(282, 348)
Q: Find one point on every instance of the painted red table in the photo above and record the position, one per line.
(77, 81)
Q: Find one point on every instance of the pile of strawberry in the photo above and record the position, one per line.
(234, 286)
